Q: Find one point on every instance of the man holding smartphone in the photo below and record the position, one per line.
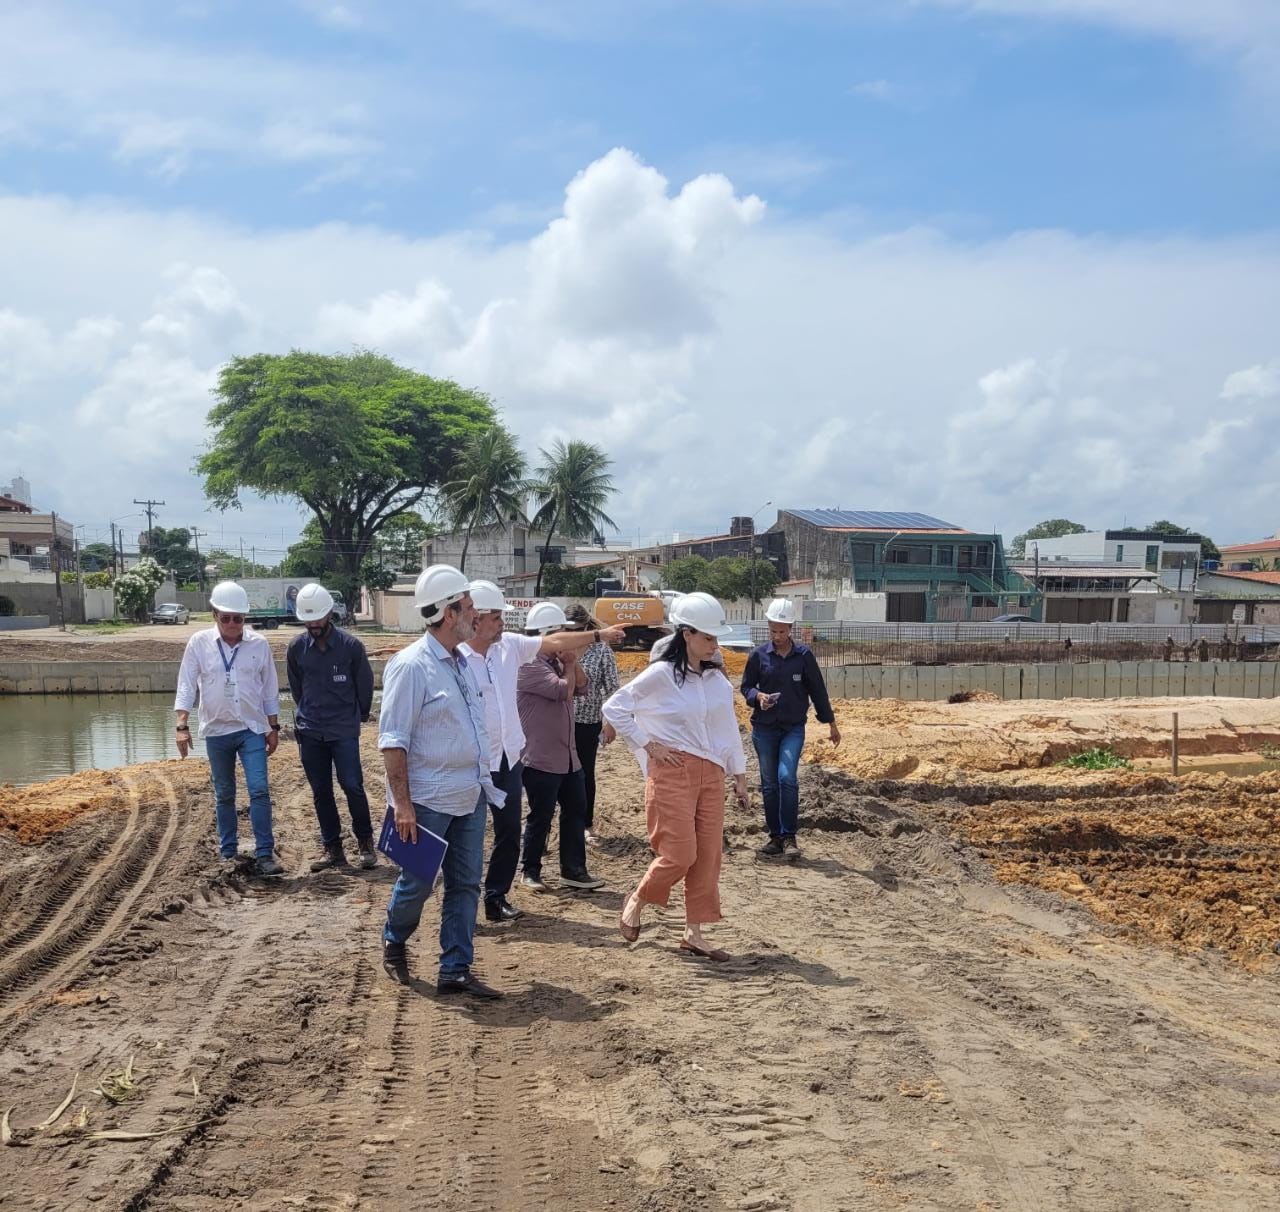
(780, 680)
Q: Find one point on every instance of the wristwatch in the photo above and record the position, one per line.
(182, 728)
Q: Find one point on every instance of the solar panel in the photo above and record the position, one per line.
(871, 519)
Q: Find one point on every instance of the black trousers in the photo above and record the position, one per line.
(320, 759)
(587, 737)
(545, 790)
(505, 854)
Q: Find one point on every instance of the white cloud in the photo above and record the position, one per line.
(722, 358)
(1261, 382)
(68, 77)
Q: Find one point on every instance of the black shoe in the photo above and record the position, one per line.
(499, 909)
(464, 982)
(771, 849)
(790, 851)
(582, 879)
(267, 865)
(333, 856)
(395, 963)
(368, 856)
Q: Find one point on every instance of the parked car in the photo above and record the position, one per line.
(1013, 618)
(170, 612)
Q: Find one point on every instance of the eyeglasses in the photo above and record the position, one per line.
(231, 618)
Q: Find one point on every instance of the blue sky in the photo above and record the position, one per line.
(443, 113)
(871, 209)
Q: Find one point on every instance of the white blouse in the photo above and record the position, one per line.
(696, 717)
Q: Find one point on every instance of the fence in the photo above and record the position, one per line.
(838, 644)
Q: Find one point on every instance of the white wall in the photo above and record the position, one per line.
(1088, 546)
(862, 607)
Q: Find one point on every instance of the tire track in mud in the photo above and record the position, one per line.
(101, 905)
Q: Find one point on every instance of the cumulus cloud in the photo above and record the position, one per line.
(724, 357)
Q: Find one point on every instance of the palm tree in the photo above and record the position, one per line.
(488, 484)
(572, 486)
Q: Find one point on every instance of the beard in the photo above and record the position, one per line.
(464, 629)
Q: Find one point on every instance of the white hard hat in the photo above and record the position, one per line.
(437, 587)
(544, 617)
(701, 612)
(485, 595)
(230, 597)
(314, 602)
(781, 610)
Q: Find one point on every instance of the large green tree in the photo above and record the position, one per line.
(686, 575)
(400, 543)
(96, 557)
(487, 486)
(305, 558)
(1208, 548)
(353, 437)
(572, 486)
(172, 550)
(1053, 528)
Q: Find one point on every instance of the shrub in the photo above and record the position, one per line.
(1097, 758)
(7, 607)
(136, 588)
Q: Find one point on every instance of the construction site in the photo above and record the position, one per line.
(991, 981)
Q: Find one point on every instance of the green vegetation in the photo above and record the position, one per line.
(1052, 528)
(561, 581)
(1097, 758)
(353, 437)
(572, 486)
(487, 486)
(1269, 751)
(728, 578)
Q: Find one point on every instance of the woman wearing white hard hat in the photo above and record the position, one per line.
(332, 685)
(780, 680)
(677, 717)
(497, 656)
(229, 671)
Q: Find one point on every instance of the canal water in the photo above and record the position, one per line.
(44, 736)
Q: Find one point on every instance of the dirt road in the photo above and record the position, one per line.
(897, 1028)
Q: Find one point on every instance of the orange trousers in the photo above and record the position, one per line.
(684, 810)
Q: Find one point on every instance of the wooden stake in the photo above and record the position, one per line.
(1175, 743)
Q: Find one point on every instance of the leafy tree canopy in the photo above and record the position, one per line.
(1208, 548)
(354, 437)
(686, 575)
(728, 578)
(172, 550)
(95, 557)
(563, 581)
(401, 539)
(572, 487)
(1053, 528)
(487, 486)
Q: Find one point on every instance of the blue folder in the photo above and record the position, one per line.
(421, 858)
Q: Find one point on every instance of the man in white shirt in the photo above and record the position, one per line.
(498, 656)
(230, 673)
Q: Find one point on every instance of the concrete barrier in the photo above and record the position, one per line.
(1082, 680)
(109, 677)
(23, 622)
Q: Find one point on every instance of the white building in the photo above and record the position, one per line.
(1175, 559)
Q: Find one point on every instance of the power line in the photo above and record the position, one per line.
(150, 510)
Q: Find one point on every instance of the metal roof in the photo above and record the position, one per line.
(869, 519)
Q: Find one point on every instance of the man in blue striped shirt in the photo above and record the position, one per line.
(435, 748)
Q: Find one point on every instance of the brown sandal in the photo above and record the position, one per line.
(712, 953)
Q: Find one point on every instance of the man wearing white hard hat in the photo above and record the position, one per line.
(545, 690)
(331, 681)
(780, 680)
(677, 717)
(496, 657)
(435, 746)
(229, 672)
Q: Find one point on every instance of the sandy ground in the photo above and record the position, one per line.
(961, 997)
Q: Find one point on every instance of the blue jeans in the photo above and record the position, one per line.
(463, 867)
(252, 748)
(320, 758)
(778, 750)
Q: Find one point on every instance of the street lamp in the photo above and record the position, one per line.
(753, 552)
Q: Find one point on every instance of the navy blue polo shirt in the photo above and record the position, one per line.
(796, 677)
(332, 687)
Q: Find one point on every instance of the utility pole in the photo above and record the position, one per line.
(114, 568)
(149, 505)
(242, 559)
(55, 564)
(196, 536)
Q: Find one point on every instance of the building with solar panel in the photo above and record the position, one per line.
(929, 570)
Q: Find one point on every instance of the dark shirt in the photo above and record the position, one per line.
(332, 687)
(544, 696)
(796, 677)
